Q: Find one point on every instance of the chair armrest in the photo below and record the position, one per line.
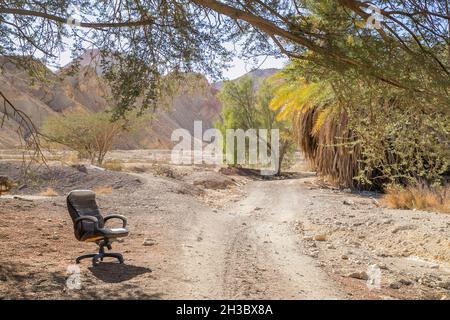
(90, 218)
(118, 216)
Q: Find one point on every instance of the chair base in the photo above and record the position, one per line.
(101, 254)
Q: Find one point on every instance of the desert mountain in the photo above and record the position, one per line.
(58, 92)
(257, 75)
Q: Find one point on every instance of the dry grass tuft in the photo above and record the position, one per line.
(6, 184)
(103, 190)
(50, 192)
(113, 165)
(165, 171)
(418, 196)
(71, 158)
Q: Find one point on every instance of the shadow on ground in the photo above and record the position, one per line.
(26, 281)
(111, 272)
(255, 174)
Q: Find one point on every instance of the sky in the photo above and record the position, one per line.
(238, 67)
(241, 67)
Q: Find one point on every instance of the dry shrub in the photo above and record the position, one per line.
(70, 158)
(50, 192)
(6, 184)
(418, 196)
(105, 190)
(113, 165)
(166, 171)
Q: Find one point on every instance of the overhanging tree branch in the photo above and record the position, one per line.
(93, 25)
(26, 130)
(273, 30)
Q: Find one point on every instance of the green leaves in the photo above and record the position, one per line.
(91, 134)
(245, 105)
(298, 96)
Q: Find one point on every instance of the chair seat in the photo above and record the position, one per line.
(114, 232)
(105, 233)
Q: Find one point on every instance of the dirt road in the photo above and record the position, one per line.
(250, 250)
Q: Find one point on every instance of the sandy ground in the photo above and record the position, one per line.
(255, 239)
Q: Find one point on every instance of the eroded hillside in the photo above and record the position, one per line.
(84, 90)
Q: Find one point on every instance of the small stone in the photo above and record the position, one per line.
(344, 257)
(320, 237)
(22, 199)
(405, 282)
(382, 266)
(55, 237)
(348, 202)
(395, 285)
(149, 242)
(359, 275)
(434, 266)
(383, 254)
(402, 228)
(80, 167)
(445, 285)
(355, 243)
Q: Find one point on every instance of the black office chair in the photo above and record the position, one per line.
(89, 225)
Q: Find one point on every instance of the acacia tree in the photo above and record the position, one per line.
(92, 135)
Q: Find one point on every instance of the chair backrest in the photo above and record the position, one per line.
(82, 203)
